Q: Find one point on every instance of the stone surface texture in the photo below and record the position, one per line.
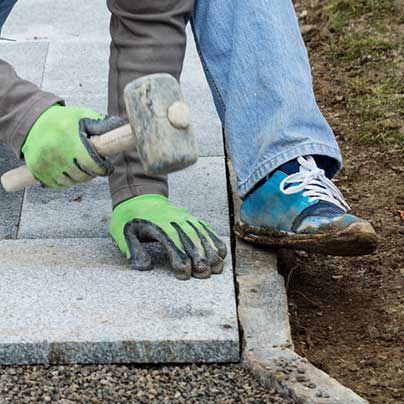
(76, 301)
(10, 203)
(84, 210)
(17, 54)
(263, 307)
(66, 294)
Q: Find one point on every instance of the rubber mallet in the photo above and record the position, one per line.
(159, 128)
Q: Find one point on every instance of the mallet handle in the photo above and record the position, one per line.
(114, 141)
(108, 144)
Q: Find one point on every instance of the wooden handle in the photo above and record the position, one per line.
(108, 144)
(17, 179)
(115, 141)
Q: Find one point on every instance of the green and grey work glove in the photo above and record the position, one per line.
(193, 247)
(57, 149)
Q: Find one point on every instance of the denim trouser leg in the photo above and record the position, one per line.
(258, 69)
(5, 8)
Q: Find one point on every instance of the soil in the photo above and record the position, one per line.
(347, 314)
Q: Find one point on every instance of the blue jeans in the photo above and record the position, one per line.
(258, 70)
(5, 8)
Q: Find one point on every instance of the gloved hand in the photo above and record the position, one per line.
(57, 150)
(193, 247)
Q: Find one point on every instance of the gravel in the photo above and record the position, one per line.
(202, 384)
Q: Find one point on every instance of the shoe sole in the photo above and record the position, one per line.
(357, 239)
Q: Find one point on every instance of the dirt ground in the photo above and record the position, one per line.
(347, 314)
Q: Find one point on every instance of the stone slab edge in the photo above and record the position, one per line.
(267, 348)
(27, 350)
(118, 352)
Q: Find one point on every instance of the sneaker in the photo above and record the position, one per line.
(298, 207)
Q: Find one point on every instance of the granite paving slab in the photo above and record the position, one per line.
(10, 203)
(18, 53)
(77, 69)
(71, 19)
(84, 210)
(76, 301)
(73, 299)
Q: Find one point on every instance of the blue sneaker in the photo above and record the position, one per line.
(298, 207)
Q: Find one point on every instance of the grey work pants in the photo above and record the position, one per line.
(148, 36)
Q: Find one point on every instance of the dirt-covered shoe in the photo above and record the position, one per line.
(298, 207)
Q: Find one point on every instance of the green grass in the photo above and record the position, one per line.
(381, 108)
(354, 47)
(342, 12)
(367, 44)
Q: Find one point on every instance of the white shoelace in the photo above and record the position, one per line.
(312, 180)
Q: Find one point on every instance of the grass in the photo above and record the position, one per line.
(342, 12)
(367, 45)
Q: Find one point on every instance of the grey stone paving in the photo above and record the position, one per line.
(61, 21)
(18, 53)
(10, 203)
(73, 298)
(263, 308)
(77, 301)
(85, 72)
(84, 210)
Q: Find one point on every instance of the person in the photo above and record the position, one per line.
(283, 151)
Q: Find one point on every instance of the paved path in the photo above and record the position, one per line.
(67, 295)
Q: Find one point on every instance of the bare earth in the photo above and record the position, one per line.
(347, 314)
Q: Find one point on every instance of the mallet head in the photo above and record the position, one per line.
(161, 123)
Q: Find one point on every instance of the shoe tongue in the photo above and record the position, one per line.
(291, 167)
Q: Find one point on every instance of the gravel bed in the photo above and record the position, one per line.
(202, 384)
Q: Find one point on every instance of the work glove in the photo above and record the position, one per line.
(57, 149)
(193, 247)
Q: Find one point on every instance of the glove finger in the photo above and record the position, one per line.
(93, 127)
(215, 262)
(64, 181)
(84, 169)
(97, 127)
(180, 262)
(219, 244)
(77, 175)
(200, 265)
(139, 259)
